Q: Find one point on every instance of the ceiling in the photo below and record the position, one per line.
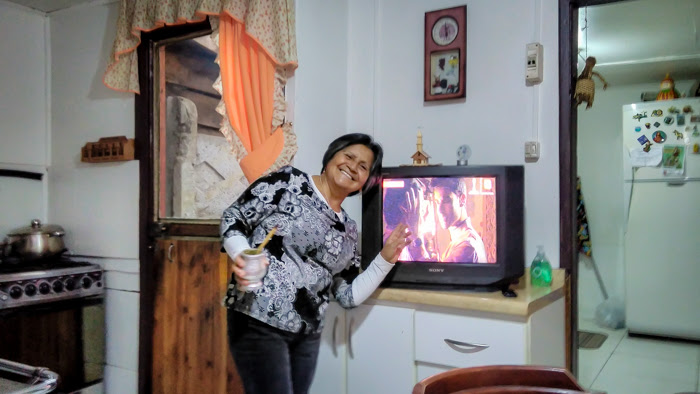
(640, 41)
(636, 41)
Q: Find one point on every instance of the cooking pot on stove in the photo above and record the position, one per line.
(37, 241)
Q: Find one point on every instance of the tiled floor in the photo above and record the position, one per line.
(626, 365)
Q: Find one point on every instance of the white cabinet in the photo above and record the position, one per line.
(380, 350)
(386, 347)
(330, 367)
(365, 350)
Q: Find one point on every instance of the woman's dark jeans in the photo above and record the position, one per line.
(270, 360)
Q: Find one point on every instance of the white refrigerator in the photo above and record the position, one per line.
(662, 196)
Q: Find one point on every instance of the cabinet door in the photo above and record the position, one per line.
(190, 348)
(380, 350)
(330, 367)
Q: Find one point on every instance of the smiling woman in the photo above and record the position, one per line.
(274, 331)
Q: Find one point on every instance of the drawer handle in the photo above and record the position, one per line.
(465, 347)
(335, 328)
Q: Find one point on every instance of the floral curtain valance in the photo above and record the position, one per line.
(263, 21)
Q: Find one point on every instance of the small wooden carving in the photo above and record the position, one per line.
(420, 158)
(108, 149)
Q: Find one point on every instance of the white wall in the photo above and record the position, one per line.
(98, 204)
(499, 113)
(599, 151)
(23, 110)
(320, 83)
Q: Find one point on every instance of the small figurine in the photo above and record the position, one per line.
(585, 86)
(420, 158)
(647, 146)
(668, 90)
(463, 154)
(679, 135)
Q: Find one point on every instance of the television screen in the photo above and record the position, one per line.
(452, 219)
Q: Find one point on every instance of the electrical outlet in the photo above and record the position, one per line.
(532, 150)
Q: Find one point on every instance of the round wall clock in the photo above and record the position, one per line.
(445, 30)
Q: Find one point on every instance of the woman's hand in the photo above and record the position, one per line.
(239, 270)
(397, 240)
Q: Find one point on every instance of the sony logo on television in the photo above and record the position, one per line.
(436, 270)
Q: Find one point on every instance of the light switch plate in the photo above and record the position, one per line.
(533, 71)
(532, 150)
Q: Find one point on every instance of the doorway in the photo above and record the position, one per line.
(184, 185)
(595, 148)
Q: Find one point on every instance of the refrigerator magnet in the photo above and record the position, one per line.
(695, 118)
(659, 137)
(673, 110)
(639, 117)
(680, 119)
(657, 112)
(637, 129)
(696, 148)
(673, 159)
(687, 109)
(696, 133)
(647, 125)
(678, 134)
(657, 124)
(668, 120)
(643, 140)
(647, 147)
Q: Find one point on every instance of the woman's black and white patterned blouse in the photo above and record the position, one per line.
(312, 253)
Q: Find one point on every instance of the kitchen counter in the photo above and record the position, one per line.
(529, 299)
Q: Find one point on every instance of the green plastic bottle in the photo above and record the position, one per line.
(540, 269)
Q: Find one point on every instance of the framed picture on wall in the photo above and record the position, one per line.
(445, 54)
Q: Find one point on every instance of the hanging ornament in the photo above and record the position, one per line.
(585, 86)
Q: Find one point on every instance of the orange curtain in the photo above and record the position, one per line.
(247, 77)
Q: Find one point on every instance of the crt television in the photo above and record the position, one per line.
(466, 224)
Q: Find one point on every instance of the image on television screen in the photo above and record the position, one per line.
(452, 219)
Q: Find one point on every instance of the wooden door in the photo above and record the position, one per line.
(186, 183)
(190, 346)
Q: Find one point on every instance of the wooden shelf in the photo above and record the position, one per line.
(108, 149)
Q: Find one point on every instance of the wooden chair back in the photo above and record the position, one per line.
(455, 380)
(517, 390)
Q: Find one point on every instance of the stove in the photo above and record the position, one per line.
(30, 283)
